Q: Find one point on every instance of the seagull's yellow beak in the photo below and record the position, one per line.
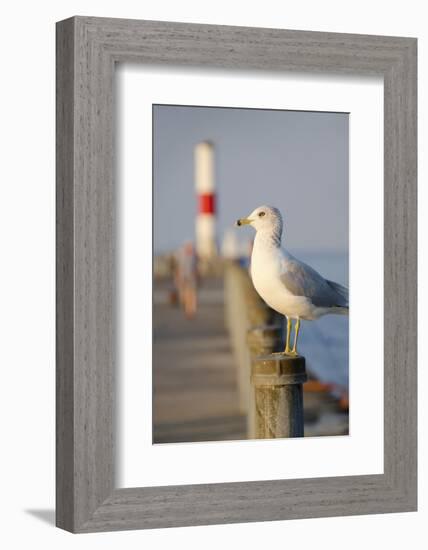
(243, 221)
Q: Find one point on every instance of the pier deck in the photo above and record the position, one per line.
(195, 393)
(194, 376)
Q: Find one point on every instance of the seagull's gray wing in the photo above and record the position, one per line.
(301, 280)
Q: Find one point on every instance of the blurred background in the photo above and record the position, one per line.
(211, 166)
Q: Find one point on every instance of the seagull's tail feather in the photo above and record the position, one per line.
(341, 310)
(342, 292)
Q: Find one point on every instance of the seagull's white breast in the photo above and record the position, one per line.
(267, 265)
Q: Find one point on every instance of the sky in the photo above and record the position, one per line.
(296, 161)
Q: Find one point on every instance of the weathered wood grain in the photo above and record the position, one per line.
(64, 277)
(87, 49)
(277, 381)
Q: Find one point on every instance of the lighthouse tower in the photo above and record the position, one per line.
(205, 189)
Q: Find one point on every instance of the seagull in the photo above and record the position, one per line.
(286, 284)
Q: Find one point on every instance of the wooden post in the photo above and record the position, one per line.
(258, 314)
(244, 309)
(277, 381)
(262, 340)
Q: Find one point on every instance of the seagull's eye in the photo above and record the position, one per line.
(261, 214)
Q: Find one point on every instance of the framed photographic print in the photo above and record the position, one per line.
(236, 274)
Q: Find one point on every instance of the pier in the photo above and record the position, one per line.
(195, 392)
(203, 387)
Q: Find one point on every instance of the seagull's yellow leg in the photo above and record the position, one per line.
(287, 350)
(296, 335)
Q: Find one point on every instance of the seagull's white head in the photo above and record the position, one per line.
(264, 218)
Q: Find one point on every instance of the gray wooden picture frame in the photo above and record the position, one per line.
(87, 50)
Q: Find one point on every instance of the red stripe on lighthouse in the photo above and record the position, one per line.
(206, 203)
